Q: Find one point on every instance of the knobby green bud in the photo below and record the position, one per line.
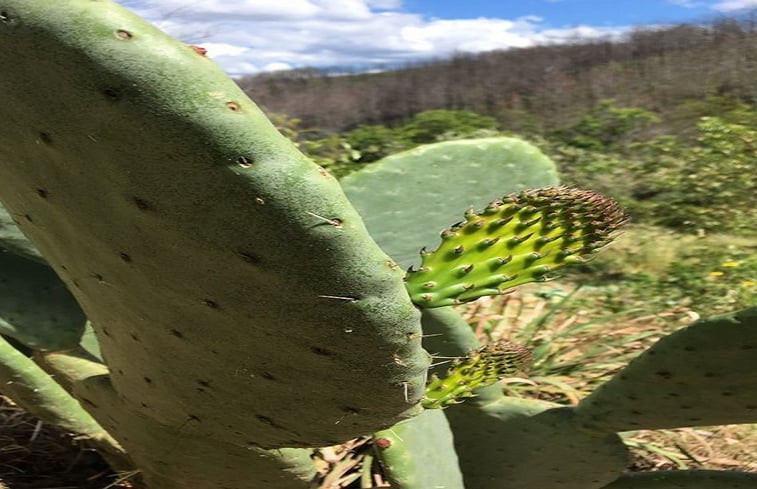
(522, 238)
(482, 367)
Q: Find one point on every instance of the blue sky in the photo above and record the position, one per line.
(253, 36)
(560, 13)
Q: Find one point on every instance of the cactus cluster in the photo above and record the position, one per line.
(244, 313)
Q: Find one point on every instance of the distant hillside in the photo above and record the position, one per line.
(545, 86)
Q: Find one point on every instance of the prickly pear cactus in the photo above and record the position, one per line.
(184, 223)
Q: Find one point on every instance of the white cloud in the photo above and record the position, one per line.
(731, 5)
(248, 36)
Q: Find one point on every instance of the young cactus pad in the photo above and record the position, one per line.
(522, 238)
(480, 368)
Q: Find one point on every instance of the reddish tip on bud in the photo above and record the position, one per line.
(382, 443)
(198, 49)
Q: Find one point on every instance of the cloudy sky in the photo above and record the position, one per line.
(250, 36)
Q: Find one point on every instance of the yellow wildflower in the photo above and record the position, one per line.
(731, 264)
(716, 274)
(748, 283)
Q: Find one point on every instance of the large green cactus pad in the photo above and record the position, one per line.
(419, 453)
(527, 447)
(226, 275)
(685, 479)
(35, 306)
(407, 198)
(705, 374)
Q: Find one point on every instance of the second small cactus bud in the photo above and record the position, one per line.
(480, 368)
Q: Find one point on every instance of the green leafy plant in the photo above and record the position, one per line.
(243, 313)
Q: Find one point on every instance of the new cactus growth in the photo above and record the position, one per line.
(484, 366)
(523, 238)
(243, 311)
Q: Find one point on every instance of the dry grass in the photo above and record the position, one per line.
(34, 455)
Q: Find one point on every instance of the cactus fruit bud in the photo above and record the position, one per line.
(523, 238)
(480, 368)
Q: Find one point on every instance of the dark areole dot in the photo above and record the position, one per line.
(45, 138)
(123, 35)
(321, 351)
(141, 204)
(126, 258)
(42, 193)
(111, 94)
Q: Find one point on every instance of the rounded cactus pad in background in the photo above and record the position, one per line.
(406, 198)
(522, 238)
(528, 444)
(701, 375)
(36, 308)
(13, 240)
